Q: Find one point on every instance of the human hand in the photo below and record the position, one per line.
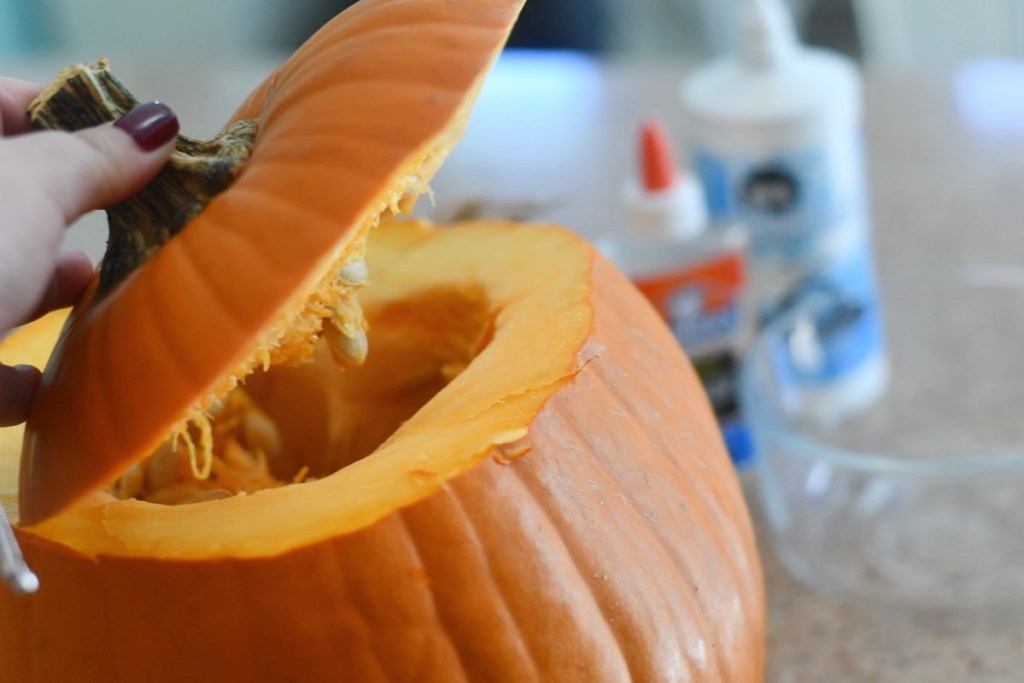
(47, 181)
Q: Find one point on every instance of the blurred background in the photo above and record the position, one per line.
(916, 33)
(205, 56)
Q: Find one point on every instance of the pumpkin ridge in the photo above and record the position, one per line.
(679, 563)
(711, 505)
(443, 32)
(407, 83)
(677, 468)
(438, 613)
(466, 522)
(363, 607)
(700, 505)
(358, 82)
(339, 168)
(718, 493)
(106, 383)
(242, 191)
(340, 147)
(160, 323)
(108, 588)
(535, 642)
(247, 636)
(583, 578)
(188, 259)
(638, 670)
(330, 564)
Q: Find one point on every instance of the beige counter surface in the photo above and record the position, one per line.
(553, 139)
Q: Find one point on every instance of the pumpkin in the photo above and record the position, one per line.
(523, 480)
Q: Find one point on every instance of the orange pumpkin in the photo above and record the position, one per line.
(523, 482)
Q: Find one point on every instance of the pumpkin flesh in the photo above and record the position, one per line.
(564, 506)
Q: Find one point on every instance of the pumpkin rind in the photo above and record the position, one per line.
(610, 543)
(338, 146)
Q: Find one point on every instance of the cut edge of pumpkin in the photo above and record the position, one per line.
(398, 473)
(296, 328)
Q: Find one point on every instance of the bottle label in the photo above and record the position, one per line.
(701, 301)
(703, 305)
(806, 213)
(792, 200)
(848, 326)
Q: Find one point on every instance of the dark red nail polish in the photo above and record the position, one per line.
(150, 125)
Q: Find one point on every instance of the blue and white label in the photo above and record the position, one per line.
(790, 201)
(697, 324)
(847, 329)
(806, 213)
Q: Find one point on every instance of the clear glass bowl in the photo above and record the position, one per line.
(914, 496)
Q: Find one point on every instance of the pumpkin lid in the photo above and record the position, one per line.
(352, 125)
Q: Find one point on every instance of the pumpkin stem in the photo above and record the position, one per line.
(89, 95)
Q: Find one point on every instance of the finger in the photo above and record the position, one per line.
(49, 179)
(70, 278)
(15, 96)
(17, 386)
(96, 167)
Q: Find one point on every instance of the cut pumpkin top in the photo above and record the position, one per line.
(351, 125)
(541, 320)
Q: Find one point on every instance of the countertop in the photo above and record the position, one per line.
(552, 140)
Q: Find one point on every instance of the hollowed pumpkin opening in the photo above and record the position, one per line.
(472, 328)
(293, 424)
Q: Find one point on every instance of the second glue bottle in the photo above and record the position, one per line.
(695, 277)
(775, 132)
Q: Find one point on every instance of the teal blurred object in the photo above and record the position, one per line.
(22, 27)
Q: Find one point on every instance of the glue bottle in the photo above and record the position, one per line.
(775, 133)
(696, 278)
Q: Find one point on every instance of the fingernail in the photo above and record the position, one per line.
(151, 125)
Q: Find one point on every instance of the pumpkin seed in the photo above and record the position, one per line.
(347, 350)
(162, 468)
(354, 272)
(131, 483)
(345, 332)
(231, 442)
(261, 433)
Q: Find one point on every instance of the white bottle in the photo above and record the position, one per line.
(695, 277)
(775, 134)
